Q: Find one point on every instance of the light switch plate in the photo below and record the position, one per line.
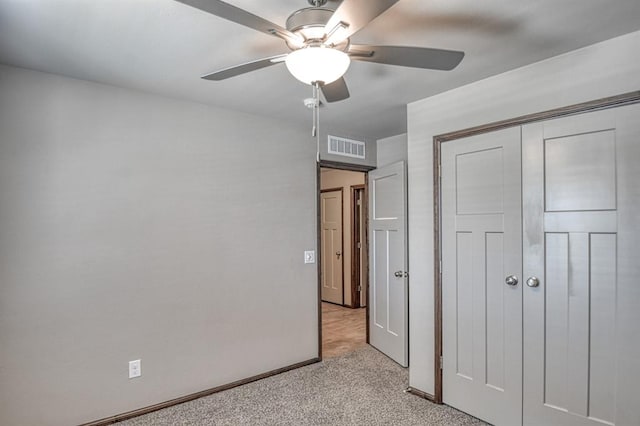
(135, 369)
(310, 256)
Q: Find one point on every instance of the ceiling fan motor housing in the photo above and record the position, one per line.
(309, 23)
(317, 3)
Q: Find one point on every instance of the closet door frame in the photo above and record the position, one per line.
(438, 140)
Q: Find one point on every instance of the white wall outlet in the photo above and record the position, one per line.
(310, 256)
(135, 369)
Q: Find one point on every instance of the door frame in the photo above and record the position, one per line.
(356, 264)
(323, 191)
(438, 140)
(324, 164)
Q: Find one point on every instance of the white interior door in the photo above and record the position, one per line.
(331, 246)
(581, 184)
(481, 248)
(388, 282)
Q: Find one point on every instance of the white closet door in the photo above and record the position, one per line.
(581, 212)
(481, 246)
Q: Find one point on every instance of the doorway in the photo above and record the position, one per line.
(342, 259)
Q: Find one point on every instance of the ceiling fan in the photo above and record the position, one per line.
(319, 42)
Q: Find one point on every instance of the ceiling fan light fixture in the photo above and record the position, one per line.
(317, 64)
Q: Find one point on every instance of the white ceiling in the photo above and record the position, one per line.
(162, 46)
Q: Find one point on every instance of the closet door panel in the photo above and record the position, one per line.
(482, 246)
(576, 195)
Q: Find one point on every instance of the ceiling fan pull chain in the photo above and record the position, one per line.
(316, 117)
(314, 95)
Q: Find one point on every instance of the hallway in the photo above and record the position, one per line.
(343, 329)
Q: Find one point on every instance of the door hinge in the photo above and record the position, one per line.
(359, 245)
(441, 362)
(439, 170)
(440, 267)
(359, 288)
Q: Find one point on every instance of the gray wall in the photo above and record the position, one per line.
(391, 150)
(605, 69)
(135, 226)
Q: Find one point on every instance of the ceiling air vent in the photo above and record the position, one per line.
(346, 147)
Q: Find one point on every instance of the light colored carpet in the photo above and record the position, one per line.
(360, 388)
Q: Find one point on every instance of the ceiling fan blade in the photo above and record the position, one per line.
(336, 91)
(244, 68)
(242, 17)
(416, 57)
(351, 16)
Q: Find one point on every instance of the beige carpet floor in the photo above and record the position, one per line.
(363, 387)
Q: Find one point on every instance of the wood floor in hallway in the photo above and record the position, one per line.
(343, 329)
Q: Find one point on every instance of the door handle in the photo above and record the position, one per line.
(338, 254)
(401, 274)
(511, 280)
(533, 282)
